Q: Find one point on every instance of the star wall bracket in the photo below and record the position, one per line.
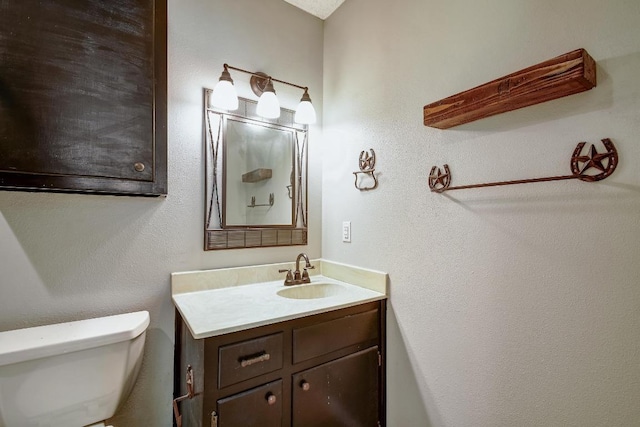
(366, 163)
(589, 166)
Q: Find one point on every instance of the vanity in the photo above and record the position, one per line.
(251, 351)
(284, 344)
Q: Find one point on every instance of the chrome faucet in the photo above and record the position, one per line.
(298, 278)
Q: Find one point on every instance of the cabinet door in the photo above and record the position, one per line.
(258, 407)
(83, 96)
(343, 392)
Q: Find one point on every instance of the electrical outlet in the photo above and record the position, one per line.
(346, 231)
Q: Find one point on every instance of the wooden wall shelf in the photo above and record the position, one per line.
(567, 74)
(257, 175)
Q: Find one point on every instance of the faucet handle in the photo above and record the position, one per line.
(305, 274)
(289, 279)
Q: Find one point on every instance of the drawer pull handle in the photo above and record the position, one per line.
(257, 359)
(305, 386)
(271, 399)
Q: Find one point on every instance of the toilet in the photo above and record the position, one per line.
(71, 374)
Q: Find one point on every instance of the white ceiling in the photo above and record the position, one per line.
(320, 8)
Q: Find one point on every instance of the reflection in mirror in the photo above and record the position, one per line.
(256, 179)
(259, 160)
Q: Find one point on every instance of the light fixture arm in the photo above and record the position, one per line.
(265, 77)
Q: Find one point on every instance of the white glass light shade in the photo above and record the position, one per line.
(268, 106)
(224, 96)
(305, 113)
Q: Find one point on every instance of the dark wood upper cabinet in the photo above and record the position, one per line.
(83, 96)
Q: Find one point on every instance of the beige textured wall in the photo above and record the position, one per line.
(66, 257)
(511, 306)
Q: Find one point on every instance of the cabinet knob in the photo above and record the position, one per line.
(139, 167)
(271, 399)
(305, 385)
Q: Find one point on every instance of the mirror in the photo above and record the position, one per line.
(259, 165)
(256, 178)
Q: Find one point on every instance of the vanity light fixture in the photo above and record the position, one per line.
(224, 94)
(305, 113)
(268, 104)
(225, 97)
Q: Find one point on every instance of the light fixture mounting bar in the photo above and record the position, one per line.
(262, 76)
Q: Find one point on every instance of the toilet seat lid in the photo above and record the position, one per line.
(22, 345)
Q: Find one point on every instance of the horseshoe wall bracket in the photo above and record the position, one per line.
(582, 168)
(367, 163)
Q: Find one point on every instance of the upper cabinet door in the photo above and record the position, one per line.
(83, 96)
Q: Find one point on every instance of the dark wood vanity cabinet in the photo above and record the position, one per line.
(321, 370)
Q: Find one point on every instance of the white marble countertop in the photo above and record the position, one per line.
(217, 308)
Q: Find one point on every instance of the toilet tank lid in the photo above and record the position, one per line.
(21, 345)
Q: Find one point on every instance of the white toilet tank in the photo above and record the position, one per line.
(69, 374)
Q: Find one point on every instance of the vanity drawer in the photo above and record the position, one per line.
(323, 338)
(247, 359)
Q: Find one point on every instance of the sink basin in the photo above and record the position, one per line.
(311, 291)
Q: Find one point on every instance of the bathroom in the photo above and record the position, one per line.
(514, 305)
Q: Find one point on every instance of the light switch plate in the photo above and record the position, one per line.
(346, 231)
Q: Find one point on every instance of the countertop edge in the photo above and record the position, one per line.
(273, 320)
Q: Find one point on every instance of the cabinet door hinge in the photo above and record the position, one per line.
(379, 359)
(214, 419)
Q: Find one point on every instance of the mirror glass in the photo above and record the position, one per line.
(259, 165)
(256, 178)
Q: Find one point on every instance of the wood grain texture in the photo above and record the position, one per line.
(83, 96)
(255, 237)
(563, 75)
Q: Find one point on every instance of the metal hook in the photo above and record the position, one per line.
(190, 395)
(367, 163)
(370, 173)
